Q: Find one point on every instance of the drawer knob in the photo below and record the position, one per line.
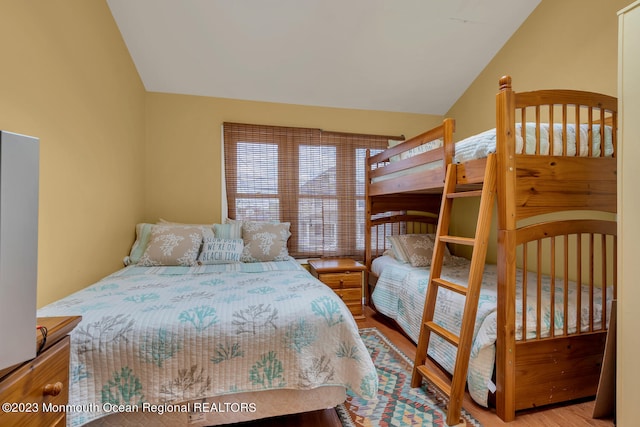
(52, 389)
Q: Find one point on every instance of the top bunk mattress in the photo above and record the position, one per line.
(481, 145)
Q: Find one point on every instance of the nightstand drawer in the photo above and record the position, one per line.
(349, 294)
(342, 280)
(38, 387)
(355, 308)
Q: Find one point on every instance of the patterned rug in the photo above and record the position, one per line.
(398, 404)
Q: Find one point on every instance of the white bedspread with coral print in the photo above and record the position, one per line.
(173, 334)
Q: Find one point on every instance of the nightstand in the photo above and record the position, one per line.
(344, 276)
(37, 389)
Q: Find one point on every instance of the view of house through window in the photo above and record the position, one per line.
(311, 178)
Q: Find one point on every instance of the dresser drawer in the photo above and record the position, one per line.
(342, 280)
(37, 387)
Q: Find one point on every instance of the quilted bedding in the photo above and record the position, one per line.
(401, 290)
(481, 145)
(161, 335)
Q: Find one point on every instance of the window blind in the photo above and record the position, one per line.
(311, 178)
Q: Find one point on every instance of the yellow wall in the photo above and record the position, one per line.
(568, 44)
(183, 178)
(66, 77)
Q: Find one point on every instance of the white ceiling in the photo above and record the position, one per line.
(393, 55)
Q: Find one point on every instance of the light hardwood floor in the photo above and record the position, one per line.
(578, 414)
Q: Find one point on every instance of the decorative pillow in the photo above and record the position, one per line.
(217, 250)
(172, 245)
(236, 226)
(416, 249)
(392, 143)
(265, 241)
(143, 235)
(396, 248)
(232, 230)
(428, 146)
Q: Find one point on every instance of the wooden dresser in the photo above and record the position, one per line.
(31, 394)
(344, 276)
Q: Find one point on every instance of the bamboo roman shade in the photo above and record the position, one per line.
(311, 178)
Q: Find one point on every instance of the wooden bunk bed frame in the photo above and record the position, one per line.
(559, 366)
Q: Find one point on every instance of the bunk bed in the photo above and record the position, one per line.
(556, 200)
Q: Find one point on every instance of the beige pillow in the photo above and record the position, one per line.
(265, 241)
(416, 249)
(172, 245)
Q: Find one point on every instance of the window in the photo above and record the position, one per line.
(311, 178)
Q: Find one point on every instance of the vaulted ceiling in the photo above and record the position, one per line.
(414, 56)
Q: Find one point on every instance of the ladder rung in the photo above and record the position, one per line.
(473, 193)
(469, 241)
(451, 286)
(434, 327)
(435, 379)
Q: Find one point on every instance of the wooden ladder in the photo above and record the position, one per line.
(454, 388)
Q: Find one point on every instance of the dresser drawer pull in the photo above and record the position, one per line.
(52, 389)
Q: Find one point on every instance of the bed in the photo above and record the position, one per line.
(209, 343)
(556, 229)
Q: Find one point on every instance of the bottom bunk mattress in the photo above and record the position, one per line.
(165, 335)
(400, 295)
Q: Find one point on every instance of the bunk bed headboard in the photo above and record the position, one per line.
(570, 138)
(393, 224)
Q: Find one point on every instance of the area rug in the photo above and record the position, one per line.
(398, 404)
